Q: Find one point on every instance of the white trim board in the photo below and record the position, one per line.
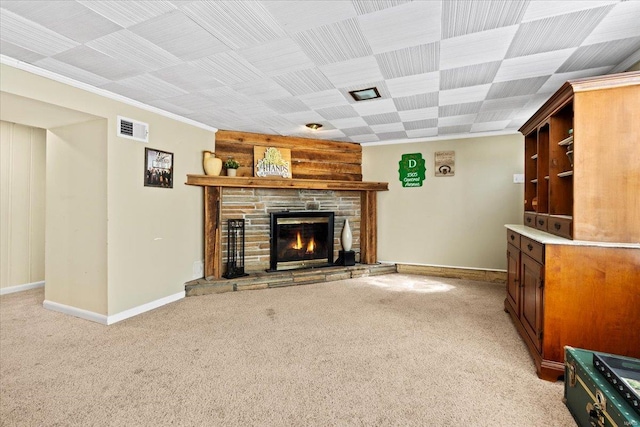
(110, 320)
(20, 288)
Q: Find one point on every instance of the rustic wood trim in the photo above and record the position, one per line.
(285, 141)
(212, 237)
(368, 227)
(306, 184)
(494, 276)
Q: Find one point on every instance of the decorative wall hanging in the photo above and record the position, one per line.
(158, 168)
(272, 162)
(412, 170)
(445, 163)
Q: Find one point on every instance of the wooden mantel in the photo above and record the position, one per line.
(212, 213)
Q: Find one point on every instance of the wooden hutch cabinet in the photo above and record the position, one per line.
(574, 267)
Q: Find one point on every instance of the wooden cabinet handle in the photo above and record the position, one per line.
(557, 226)
(530, 247)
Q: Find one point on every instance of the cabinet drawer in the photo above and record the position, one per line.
(560, 226)
(532, 248)
(530, 219)
(541, 222)
(513, 238)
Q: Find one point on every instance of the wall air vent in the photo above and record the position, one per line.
(133, 129)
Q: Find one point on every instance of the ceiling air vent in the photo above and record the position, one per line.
(133, 129)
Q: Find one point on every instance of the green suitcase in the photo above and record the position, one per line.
(591, 398)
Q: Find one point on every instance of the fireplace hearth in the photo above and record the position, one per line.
(301, 240)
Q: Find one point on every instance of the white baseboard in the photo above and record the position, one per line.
(110, 320)
(20, 288)
(144, 308)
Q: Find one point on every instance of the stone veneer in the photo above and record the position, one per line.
(255, 205)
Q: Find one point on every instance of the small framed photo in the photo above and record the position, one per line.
(158, 168)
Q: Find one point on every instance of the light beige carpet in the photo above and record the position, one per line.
(389, 350)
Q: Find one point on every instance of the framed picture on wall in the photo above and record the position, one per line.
(158, 168)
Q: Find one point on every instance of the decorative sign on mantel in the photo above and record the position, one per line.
(445, 162)
(272, 161)
(412, 170)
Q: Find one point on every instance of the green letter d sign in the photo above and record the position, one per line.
(412, 170)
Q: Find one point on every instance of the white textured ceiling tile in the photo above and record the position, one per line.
(277, 57)
(32, 36)
(402, 26)
(328, 134)
(556, 33)
(421, 133)
(194, 102)
(160, 88)
(554, 82)
(98, 63)
(133, 48)
(229, 68)
(304, 117)
(471, 75)
(304, 81)
(336, 42)
(237, 24)
(76, 73)
(68, 18)
(409, 61)
(339, 112)
(169, 106)
(420, 114)
(324, 99)
(540, 9)
(130, 12)
(459, 109)
(464, 119)
(264, 89)
(600, 55)
(21, 54)
(388, 127)
(464, 94)
(490, 126)
(541, 64)
(180, 36)
(297, 16)
(139, 94)
(188, 77)
(370, 6)
(352, 72)
(349, 122)
(417, 83)
(476, 48)
(622, 22)
(374, 106)
(364, 138)
(465, 17)
(514, 103)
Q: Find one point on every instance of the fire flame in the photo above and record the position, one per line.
(297, 245)
(311, 247)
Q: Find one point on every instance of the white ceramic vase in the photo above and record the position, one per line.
(212, 165)
(232, 172)
(347, 236)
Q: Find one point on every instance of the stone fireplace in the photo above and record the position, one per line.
(301, 240)
(257, 205)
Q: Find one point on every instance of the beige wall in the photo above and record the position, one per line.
(153, 235)
(22, 203)
(450, 221)
(76, 236)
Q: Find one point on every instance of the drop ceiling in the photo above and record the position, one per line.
(443, 68)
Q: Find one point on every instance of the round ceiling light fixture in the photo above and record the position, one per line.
(313, 126)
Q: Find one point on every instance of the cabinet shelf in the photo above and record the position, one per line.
(565, 174)
(566, 141)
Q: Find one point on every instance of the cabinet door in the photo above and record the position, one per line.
(513, 277)
(532, 277)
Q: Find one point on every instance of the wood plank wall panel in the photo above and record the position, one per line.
(310, 158)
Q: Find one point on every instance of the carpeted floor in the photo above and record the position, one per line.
(388, 350)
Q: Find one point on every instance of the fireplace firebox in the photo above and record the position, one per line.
(301, 240)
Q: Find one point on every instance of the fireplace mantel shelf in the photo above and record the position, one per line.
(305, 184)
